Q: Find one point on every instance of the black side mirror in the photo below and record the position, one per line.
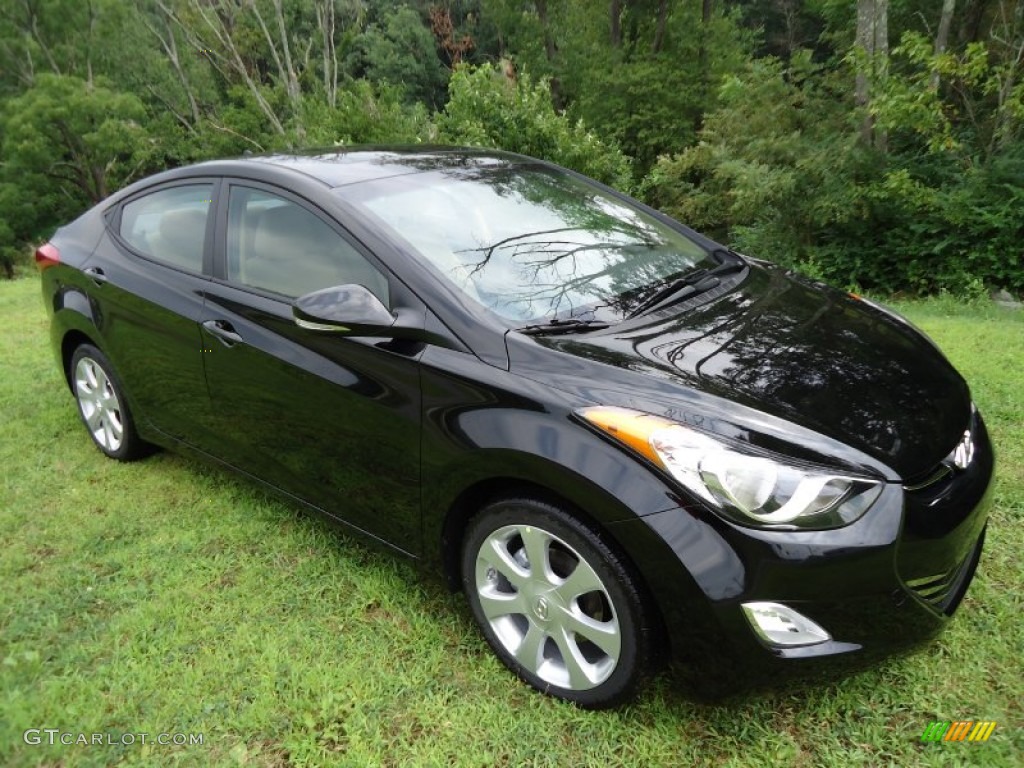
(344, 309)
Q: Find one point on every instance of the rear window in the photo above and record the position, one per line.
(169, 225)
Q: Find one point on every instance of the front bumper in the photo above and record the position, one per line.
(884, 584)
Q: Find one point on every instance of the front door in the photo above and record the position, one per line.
(330, 419)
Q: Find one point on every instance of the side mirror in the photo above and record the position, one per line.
(345, 309)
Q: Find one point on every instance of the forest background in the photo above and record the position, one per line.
(874, 144)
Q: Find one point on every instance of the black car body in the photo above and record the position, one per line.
(406, 428)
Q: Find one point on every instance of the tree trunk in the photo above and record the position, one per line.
(659, 30)
(1007, 122)
(550, 52)
(789, 10)
(973, 17)
(325, 20)
(615, 12)
(32, 29)
(865, 45)
(942, 36)
(170, 46)
(707, 9)
(872, 42)
(226, 56)
(292, 79)
(88, 45)
(881, 60)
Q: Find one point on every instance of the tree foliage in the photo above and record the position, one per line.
(487, 108)
(874, 143)
(66, 146)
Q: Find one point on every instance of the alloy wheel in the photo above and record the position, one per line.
(548, 607)
(99, 404)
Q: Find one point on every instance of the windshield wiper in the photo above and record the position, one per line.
(569, 325)
(695, 282)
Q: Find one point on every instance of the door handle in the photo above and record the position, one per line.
(224, 331)
(96, 275)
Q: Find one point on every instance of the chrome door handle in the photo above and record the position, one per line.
(223, 330)
(96, 275)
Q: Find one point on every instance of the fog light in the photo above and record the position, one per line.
(775, 624)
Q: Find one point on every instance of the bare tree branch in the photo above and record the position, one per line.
(170, 47)
(225, 129)
(226, 54)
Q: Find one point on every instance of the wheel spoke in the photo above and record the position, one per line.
(536, 543)
(101, 379)
(114, 417)
(529, 650)
(93, 416)
(603, 634)
(581, 581)
(108, 435)
(581, 673)
(82, 387)
(496, 604)
(495, 555)
(90, 374)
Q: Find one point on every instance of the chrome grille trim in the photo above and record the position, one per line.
(959, 458)
(943, 591)
(939, 474)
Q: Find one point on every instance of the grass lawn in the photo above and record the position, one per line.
(165, 596)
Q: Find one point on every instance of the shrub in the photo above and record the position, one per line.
(487, 109)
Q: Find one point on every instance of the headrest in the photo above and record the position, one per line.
(184, 230)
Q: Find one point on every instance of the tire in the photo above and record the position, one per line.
(103, 407)
(578, 627)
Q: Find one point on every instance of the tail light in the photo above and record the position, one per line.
(47, 256)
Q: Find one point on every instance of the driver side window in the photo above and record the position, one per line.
(277, 245)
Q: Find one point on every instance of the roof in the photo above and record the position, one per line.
(339, 167)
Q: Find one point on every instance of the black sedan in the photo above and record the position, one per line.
(621, 439)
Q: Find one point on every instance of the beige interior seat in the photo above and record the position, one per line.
(179, 239)
(294, 253)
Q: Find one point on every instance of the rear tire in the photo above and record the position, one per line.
(103, 407)
(557, 605)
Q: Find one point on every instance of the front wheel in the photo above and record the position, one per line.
(102, 405)
(556, 603)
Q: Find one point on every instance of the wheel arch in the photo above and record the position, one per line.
(71, 341)
(474, 498)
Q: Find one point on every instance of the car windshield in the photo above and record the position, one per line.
(532, 244)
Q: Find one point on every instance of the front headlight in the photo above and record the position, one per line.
(746, 487)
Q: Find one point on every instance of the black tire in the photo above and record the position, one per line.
(583, 585)
(102, 405)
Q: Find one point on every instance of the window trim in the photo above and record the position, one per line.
(218, 271)
(113, 220)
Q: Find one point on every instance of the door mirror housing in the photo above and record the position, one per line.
(350, 308)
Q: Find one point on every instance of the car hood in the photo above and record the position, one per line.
(805, 353)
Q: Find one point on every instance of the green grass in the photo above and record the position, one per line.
(166, 596)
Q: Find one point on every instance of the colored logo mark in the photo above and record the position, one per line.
(958, 730)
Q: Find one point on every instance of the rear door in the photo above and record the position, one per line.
(148, 280)
(333, 420)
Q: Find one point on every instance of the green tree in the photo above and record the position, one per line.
(776, 169)
(89, 138)
(368, 114)
(66, 145)
(401, 51)
(486, 108)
